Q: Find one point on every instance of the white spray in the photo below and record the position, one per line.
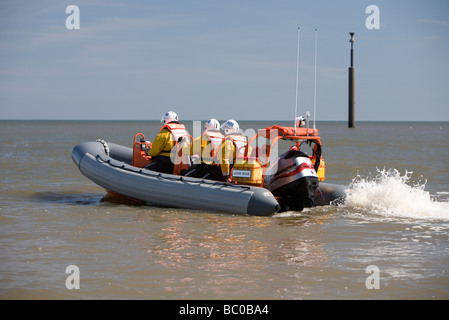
(388, 193)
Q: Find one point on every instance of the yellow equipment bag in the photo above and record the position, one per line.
(247, 172)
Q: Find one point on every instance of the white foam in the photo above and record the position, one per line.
(389, 193)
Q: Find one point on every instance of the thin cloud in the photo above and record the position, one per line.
(105, 28)
(440, 22)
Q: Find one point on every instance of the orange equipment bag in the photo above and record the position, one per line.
(141, 147)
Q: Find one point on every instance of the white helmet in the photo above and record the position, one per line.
(300, 122)
(212, 124)
(169, 117)
(230, 126)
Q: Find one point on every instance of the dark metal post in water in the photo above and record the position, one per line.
(351, 98)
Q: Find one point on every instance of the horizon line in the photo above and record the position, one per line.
(267, 120)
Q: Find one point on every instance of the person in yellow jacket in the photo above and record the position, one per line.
(171, 132)
(232, 148)
(206, 147)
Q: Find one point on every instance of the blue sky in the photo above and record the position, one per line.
(224, 59)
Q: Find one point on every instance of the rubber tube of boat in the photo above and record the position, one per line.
(115, 173)
(262, 203)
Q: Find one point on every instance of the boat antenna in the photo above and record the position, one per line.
(314, 85)
(297, 71)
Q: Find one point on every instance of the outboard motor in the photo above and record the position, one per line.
(293, 179)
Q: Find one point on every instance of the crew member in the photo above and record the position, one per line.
(207, 148)
(300, 122)
(171, 133)
(232, 148)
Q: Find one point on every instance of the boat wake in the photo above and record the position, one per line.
(390, 194)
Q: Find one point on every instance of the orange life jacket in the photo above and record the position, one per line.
(180, 160)
(178, 130)
(240, 143)
(216, 139)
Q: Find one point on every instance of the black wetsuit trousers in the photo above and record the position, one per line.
(161, 164)
(205, 171)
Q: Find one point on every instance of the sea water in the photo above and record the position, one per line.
(60, 239)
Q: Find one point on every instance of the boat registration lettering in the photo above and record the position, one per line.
(241, 173)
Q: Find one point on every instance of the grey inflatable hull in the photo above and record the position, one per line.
(109, 166)
(330, 194)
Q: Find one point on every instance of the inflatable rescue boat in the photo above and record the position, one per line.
(263, 183)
